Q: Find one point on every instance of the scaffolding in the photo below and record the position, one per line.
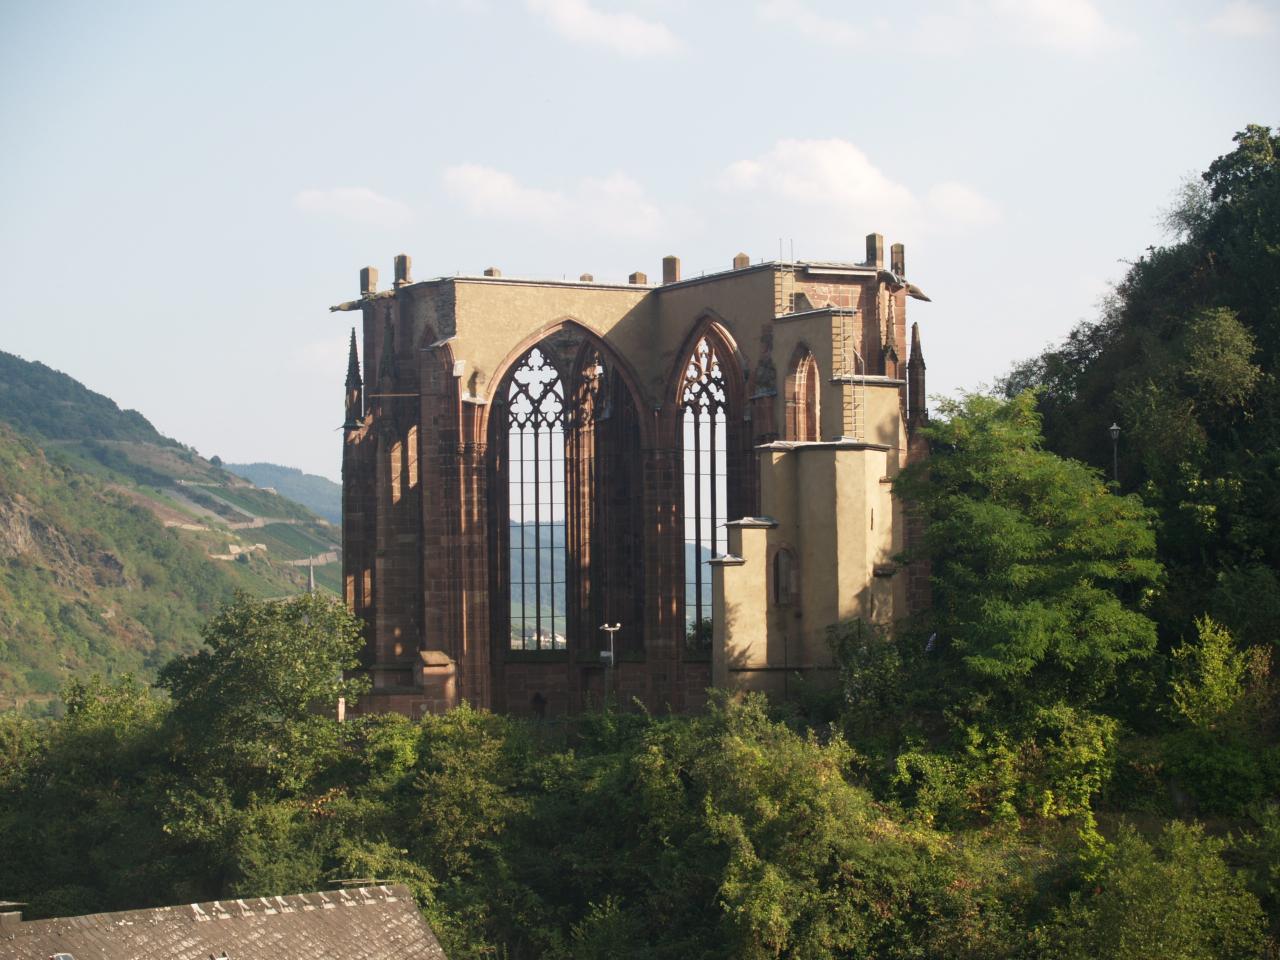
(853, 376)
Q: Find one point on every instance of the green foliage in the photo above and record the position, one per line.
(1185, 358)
(1051, 766)
(1173, 899)
(262, 503)
(871, 675)
(1039, 572)
(253, 703)
(1212, 680)
(1223, 697)
(723, 835)
(91, 581)
(44, 401)
(1259, 849)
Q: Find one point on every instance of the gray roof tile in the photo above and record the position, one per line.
(366, 923)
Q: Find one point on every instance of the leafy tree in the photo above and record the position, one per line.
(1224, 701)
(1184, 358)
(1213, 680)
(256, 706)
(78, 814)
(1173, 899)
(1039, 572)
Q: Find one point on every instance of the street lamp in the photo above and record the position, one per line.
(608, 655)
(1114, 430)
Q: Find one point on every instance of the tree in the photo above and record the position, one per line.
(257, 705)
(1212, 682)
(1040, 573)
(1185, 358)
(1174, 899)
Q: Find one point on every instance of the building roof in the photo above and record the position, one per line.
(365, 923)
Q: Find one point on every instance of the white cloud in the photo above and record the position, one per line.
(624, 33)
(493, 193)
(359, 204)
(836, 180)
(800, 17)
(1243, 19)
(1076, 25)
(821, 171)
(615, 205)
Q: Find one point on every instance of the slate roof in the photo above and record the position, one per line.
(365, 923)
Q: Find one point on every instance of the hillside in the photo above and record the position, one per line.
(116, 543)
(40, 400)
(318, 494)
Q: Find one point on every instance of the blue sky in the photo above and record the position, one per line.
(187, 187)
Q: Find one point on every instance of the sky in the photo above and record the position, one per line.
(187, 187)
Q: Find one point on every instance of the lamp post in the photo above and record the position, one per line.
(1114, 430)
(608, 656)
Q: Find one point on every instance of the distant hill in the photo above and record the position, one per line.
(117, 543)
(318, 494)
(38, 399)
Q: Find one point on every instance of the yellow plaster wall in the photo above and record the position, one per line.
(494, 318)
(741, 301)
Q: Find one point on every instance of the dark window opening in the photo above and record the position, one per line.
(536, 502)
(705, 458)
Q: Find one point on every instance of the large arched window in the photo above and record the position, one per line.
(536, 501)
(705, 456)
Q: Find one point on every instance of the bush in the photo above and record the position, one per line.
(1175, 899)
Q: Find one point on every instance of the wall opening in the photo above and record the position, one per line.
(704, 439)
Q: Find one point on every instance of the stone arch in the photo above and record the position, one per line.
(802, 420)
(571, 327)
(716, 472)
(784, 576)
(599, 500)
(710, 326)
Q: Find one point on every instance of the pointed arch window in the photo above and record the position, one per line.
(704, 425)
(802, 398)
(536, 500)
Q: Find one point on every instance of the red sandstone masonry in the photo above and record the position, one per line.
(432, 555)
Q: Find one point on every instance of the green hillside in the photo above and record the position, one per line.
(117, 543)
(318, 494)
(38, 399)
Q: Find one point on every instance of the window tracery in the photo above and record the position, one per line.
(704, 400)
(537, 545)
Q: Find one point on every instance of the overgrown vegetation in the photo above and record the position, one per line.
(730, 834)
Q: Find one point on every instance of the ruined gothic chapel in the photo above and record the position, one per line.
(704, 464)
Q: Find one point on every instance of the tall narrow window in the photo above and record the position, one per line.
(705, 448)
(802, 397)
(536, 494)
(810, 394)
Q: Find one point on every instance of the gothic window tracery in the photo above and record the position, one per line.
(704, 402)
(536, 501)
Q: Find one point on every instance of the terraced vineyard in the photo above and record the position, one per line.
(116, 543)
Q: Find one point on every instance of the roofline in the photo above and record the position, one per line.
(817, 268)
(228, 909)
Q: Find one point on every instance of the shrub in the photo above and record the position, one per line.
(1175, 899)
